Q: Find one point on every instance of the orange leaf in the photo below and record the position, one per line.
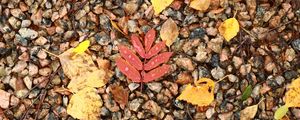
(120, 94)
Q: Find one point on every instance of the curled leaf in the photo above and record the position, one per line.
(149, 39)
(156, 73)
(160, 5)
(229, 28)
(155, 49)
(128, 70)
(130, 57)
(202, 94)
(157, 60)
(247, 92)
(169, 32)
(85, 104)
(201, 5)
(280, 112)
(138, 46)
(83, 46)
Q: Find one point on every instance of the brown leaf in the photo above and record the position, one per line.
(169, 32)
(120, 94)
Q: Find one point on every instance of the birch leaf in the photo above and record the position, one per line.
(202, 94)
(85, 104)
(169, 32)
(229, 28)
(160, 5)
(201, 5)
(83, 46)
(292, 96)
(280, 112)
(249, 112)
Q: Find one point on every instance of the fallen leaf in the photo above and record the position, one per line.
(157, 60)
(280, 112)
(128, 70)
(229, 28)
(120, 94)
(149, 39)
(160, 5)
(202, 94)
(83, 46)
(156, 73)
(114, 25)
(292, 96)
(169, 32)
(130, 57)
(201, 5)
(138, 46)
(249, 112)
(247, 92)
(86, 104)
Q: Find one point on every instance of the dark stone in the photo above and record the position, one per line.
(4, 52)
(197, 33)
(290, 74)
(214, 61)
(296, 44)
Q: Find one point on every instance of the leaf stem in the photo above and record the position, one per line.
(51, 53)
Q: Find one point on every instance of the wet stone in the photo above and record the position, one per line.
(135, 104)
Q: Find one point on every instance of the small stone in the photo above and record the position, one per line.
(155, 86)
(28, 33)
(45, 71)
(32, 69)
(202, 54)
(41, 41)
(14, 101)
(130, 7)
(42, 54)
(279, 80)
(104, 111)
(63, 12)
(296, 44)
(98, 9)
(20, 66)
(232, 78)
(28, 82)
(133, 86)
(15, 23)
(37, 17)
(25, 23)
(4, 52)
(68, 35)
(274, 22)
(135, 104)
(245, 69)
(218, 73)
(152, 107)
(17, 13)
(210, 112)
(184, 78)
(80, 14)
(237, 62)
(215, 44)
(110, 104)
(55, 16)
(4, 99)
(185, 63)
(56, 80)
(212, 31)
(296, 112)
(197, 33)
(132, 26)
(290, 74)
(226, 116)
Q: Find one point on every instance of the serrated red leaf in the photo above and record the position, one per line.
(130, 57)
(149, 39)
(128, 70)
(138, 46)
(156, 73)
(155, 49)
(157, 60)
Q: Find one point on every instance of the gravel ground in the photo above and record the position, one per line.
(264, 55)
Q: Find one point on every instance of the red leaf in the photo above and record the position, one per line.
(149, 39)
(138, 46)
(156, 73)
(128, 70)
(157, 60)
(155, 49)
(130, 57)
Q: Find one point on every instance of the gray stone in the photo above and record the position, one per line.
(135, 104)
(28, 33)
(218, 73)
(155, 86)
(25, 23)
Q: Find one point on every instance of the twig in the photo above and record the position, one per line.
(188, 111)
(50, 53)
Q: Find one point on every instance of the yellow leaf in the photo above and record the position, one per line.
(82, 71)
(292, 96)
(114, 25)
(169, 32)
(160, 5)
(202, 94)
(83, 46)
(85, 104)
(229, 28)
(201, 5)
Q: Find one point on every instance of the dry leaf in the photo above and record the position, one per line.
(83, 46)
(120, 94)
(201, 5)
(114, 25)
(229, 28)
(169, 32)
(249, 112)
(160, 5)
(82, 71)
(85, 104)
(202, 94)
(292, 96)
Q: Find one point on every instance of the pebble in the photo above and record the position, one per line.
(216, 44)
(25, 23)
(28, 33)
(79, 14)
(133, 86)
(225, 116)
(32, 69)
(185, 63)
(14, 101)
(37, 17)
(28, 82)
(184, 78)
(202, 54)
(4, 52)
(41, 41)
(4, 99)
(197, 33)
(45, 71)
(132, 26)
(152, 107)
(104, 111)
(211, 31)
(110, 104)
(135, 104)
(17, 13)
(155, 86)
(296, 112)
(210, 112)
(237, 62)
(15, 23)
(218, 73)
(20, 66)
(296, 44)
(279, 80)
(290, 74)
(232, 78)
(42, 54)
